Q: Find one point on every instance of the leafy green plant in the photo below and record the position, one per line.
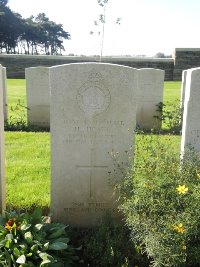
(28, 240)
(171, 116)
(161, 203)
(18, 120)
(108, 244)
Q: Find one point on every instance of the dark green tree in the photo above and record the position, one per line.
(31, 35)
(52, 35)
(10, 28)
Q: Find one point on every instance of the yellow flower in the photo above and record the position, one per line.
(198, 174)
(182, 189)
(179, 228)
(147, 185)
(10, 224)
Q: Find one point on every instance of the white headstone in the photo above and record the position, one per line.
(150, 94)
(3, 85)
(2, 159)
(38, 96)
(5, 98)
(92, 114)
(183, 85)
(191, 114)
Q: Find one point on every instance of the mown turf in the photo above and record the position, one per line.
(172, 91)
(27, 169)
(16, 93)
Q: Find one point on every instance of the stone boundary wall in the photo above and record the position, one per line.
(185, 58)
(16, 64)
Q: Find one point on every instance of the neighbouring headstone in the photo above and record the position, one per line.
(3, 85)
(2, 159)
(150, 94)
(191, 114)
(93, 108)
(183, 85)
(38, 96)
(5, 98)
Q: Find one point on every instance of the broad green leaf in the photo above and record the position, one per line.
(34, 248)
(21, 259)
(37, 216)
(8, 243)
(16, 252)
(58, 246)
(29, 237)
(9, 236)
(2, 228)
(57, 233)
(45, 256)
(38, 226)
(25, 227)
(29, 254)
(8, 258)
(46, 245)
(45, 262)
(63, 239)
(23, 246)
(2, 243)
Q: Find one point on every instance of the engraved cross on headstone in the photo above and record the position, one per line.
(92, 166)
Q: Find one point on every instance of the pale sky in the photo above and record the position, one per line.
(147, 26)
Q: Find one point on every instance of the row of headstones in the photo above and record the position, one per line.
(93, 118)
(150, 93)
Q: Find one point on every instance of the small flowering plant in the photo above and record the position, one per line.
(160, 199)
(28, 240)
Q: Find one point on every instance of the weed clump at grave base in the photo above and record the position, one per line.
(107, 244)
(161, 204)
(171, 116)
(18, 120)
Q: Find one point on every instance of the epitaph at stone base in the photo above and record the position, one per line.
(92, 114)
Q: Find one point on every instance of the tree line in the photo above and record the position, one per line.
(33, 35)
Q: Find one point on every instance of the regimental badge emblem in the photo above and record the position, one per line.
(93, 96)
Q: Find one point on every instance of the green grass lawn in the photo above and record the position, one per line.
(28, 154)
(27, 169)
(172, 90)
(16, 92)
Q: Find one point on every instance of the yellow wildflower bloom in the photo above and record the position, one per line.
(198, 174)
(182, 189)
(179, 228)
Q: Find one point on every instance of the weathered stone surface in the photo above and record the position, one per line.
(183, 85)
(92, 114)
(5, 99)
(3, 85)
(150, 94)
(2, 158)
(38, 96)
(191, 115)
